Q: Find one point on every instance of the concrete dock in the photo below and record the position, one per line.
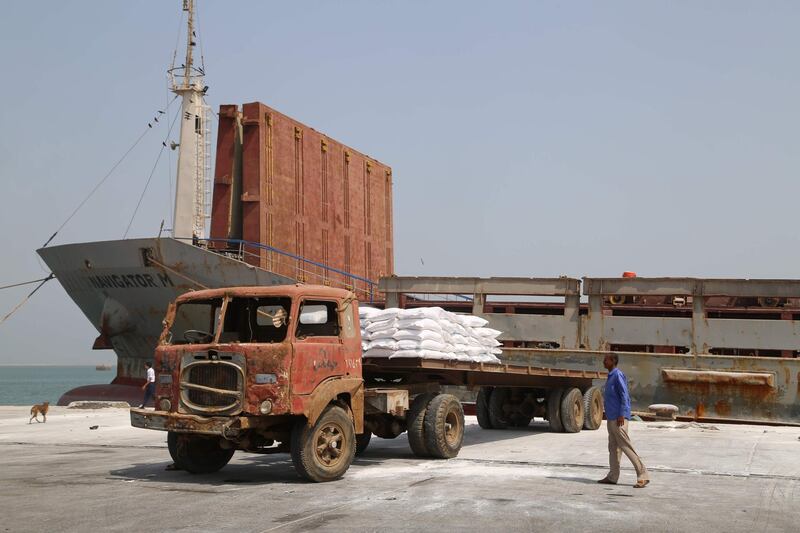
(64, 476)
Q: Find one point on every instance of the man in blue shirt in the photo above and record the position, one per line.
(618, 411)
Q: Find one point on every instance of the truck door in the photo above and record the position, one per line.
(318, 353)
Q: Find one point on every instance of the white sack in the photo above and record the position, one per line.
(472, 321)
(486, 332)
(423, 345)
(388, 343)
(418, 335)
(378, 352)
(418, 323)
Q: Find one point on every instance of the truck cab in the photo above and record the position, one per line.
(261, 369)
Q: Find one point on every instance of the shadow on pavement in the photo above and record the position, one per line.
(244, 468)
(583, 480)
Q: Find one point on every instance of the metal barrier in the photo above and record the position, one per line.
(699, 334)
(670, 350)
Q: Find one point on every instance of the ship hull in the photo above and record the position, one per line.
(123, 288)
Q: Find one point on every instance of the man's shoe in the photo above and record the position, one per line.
(642, 483)
(606, 481)
(141, 406)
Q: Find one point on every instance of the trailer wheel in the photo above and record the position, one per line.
(520, 420)
(416, 424)
(325, 451)
(497, 403)
(482, 407)
(172, 446)
(592, 408)
(444, 426)
(572, 410)
(362, 441)
(554, 410)
(199, 455)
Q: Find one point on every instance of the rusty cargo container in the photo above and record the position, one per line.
(298, 203)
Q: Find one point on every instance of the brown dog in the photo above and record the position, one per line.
(37, 409)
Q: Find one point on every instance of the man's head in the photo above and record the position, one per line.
(610, 361)
(148, 364)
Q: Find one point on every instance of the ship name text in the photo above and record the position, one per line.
(131, 281)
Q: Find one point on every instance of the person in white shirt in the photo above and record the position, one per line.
(149, 386)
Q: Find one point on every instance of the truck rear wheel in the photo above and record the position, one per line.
(362, 441)
(416, 424)
(592, 408)
(572, 410)
(444, 426)
(199, 455)
(497, 403)
(554, 410)
(324, 451)
(482, 407)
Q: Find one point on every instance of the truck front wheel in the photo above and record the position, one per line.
(362, 441)
(172, 446)
(324, 451)
(198, 455)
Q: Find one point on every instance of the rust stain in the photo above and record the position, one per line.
(700, 410)
(722, 408)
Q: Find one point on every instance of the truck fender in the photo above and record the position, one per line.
(328, 391)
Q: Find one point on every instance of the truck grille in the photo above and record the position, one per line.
(212, 386)
(215, 376)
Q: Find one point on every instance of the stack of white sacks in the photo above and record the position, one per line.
(428, 333)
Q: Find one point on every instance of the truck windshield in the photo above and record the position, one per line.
(256, 320)
(195, 322)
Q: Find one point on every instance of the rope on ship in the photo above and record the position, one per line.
(173, 271)
(152, 172)
(110, 172)
(28, 297)
(97, 186)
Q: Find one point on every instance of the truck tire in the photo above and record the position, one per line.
(497, 402)
(362, 441)
(572, 410)
(416, 424)
(200, 455)
(520, 420)
(592, 408)
(444, 426)
(324, 451)
(172, 446)
(554, 410)
(482, 407)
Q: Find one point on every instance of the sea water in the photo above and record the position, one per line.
(27, 385)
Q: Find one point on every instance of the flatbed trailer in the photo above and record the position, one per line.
(280, 370)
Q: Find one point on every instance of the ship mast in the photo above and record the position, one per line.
(191, 186)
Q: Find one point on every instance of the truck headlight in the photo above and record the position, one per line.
(266, 407)
(164, 404)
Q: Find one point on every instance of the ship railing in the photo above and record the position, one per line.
(738, 317)
(295, 266)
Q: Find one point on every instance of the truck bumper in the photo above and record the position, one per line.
(225, 426)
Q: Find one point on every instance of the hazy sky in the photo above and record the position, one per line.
(526, 138)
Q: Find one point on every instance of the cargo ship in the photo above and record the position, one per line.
(289, 204)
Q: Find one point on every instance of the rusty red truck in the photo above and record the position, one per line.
(280, 370)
